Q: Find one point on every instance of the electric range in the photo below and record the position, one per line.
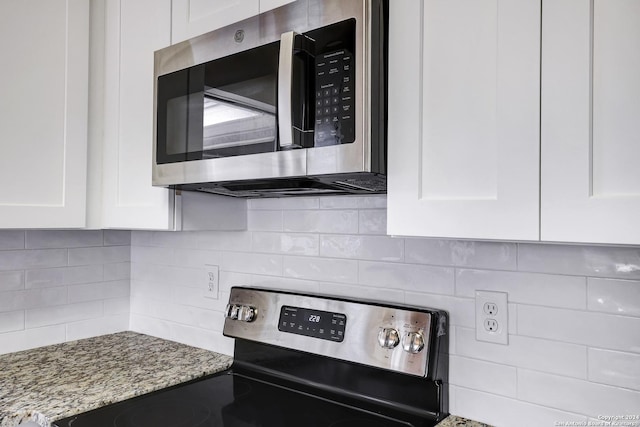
(307, 360)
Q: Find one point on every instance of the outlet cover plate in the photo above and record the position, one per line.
(212, 281)
(492, 307)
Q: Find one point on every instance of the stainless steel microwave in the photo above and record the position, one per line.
(289, 102)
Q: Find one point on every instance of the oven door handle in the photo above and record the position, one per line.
(285, 90)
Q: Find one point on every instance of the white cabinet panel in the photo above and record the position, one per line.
(590, 121)
(134, 30)
(191, 18)
(464, 119)
(266, 5)
(43, 113)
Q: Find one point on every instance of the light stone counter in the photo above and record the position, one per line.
(49, 383)
(454, 421)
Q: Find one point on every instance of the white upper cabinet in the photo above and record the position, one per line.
(134, 30)
(464, 91)
(591, 121)
(43, 113)
(190, 18)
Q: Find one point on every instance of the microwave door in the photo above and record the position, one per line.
(231, 121)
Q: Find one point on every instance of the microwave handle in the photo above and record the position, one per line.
(285, 88)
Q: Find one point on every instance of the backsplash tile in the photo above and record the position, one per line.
(614, 296)
(66, 285)
(11, 239)
(574, 311)
(11, 280)
(595, 261)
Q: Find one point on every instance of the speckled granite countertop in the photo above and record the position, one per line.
(453, 421)
(53, 382)
(49, 383)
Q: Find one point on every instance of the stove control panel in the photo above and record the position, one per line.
(396, 338)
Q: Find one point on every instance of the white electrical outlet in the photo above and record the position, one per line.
(212, 281)
(492, 321)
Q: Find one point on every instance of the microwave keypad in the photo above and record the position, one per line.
(335, 118)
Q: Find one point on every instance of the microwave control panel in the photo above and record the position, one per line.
(335, 106)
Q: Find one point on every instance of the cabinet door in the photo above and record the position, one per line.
(591, 121)
(266, 5)
(190, 18)
(43, 113)
(134, 30)
(464, 84)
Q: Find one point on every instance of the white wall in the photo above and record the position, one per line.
(574, 311)
(58, 286)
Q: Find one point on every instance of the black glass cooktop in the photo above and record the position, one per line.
(229, 400)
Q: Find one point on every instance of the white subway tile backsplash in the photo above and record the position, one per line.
(11, 280)
(265, 220)
(580, 327)
(30, 338)
(252, 263)
(225, 240)
(46, 239)
(323, 221)
(410, 277)
(373, 221)
(99, 326)
(461, 310)
(614, 296)
(284, 283)
(39, 317)
(370, 293)
(506, 412)
(32, 298)
(428, 251)
(380, 248)
(117, 271)
(117, 238)
(338, 202)
(372, 202)
(286, 243)
(11, 239)
(614, 368)
(98, 291)
(11, 321)
(50, 277)
(596, 261)
(99, 255)
(575, 395)
(532, 353)
(117, 306)
(492, 255)
(322, 269)
(484, 376)
(39, 258)
(526, 288)
(299, 203)
(574, 311)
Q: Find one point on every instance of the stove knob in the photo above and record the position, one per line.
(231, 312)
(247, 313)
(388, 338)
(413, 342)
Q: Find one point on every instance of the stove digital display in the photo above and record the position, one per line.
(312, 323)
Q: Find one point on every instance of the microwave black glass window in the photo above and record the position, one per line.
(225, 107)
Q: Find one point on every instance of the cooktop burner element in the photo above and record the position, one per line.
(304, 360)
